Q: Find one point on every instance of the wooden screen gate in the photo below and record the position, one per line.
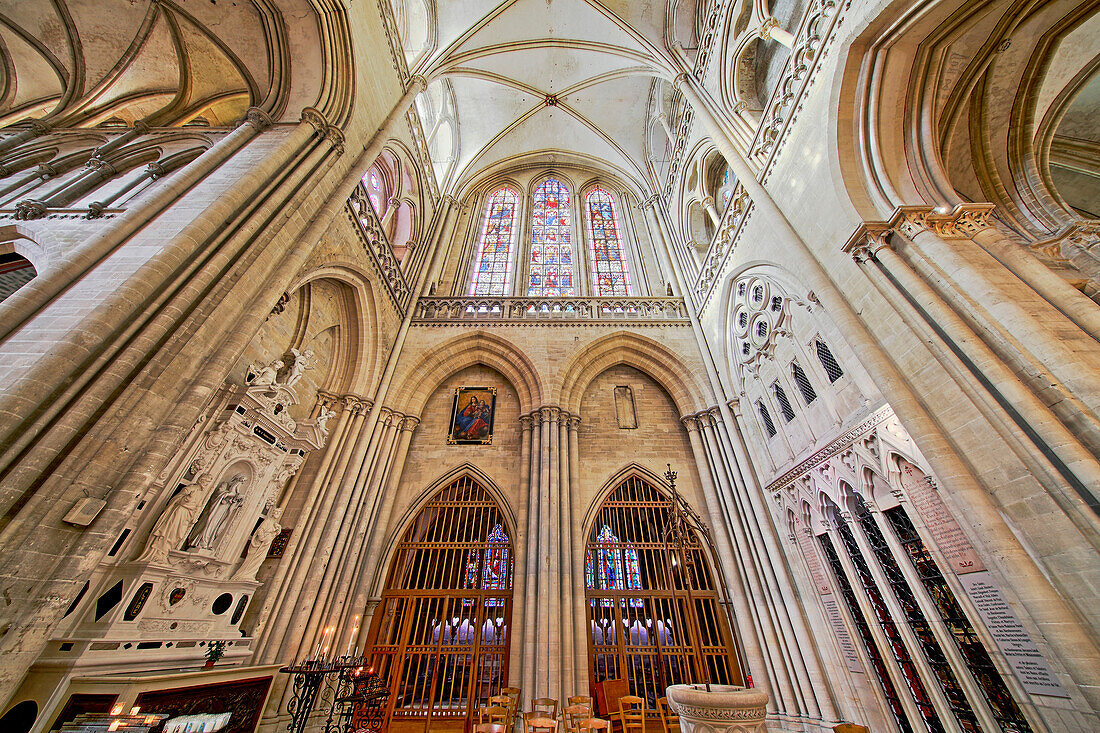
(440, 633)
(642, 625)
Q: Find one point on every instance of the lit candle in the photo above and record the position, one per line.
(351, 639)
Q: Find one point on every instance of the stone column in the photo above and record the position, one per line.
(761, 635)
(27, 302)
(531, 658)
(517, 656)
(566, 552)
(1072, 460)
(1074, 304)
(715, 217)
(439, 244)
(944, 239)
(579, 541)
(33, 129)
(657, 238)
(662, 119)
(548, 678)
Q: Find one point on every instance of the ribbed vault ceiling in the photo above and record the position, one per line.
(550, 76)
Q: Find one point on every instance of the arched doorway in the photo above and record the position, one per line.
(440, 634)
(649, 622)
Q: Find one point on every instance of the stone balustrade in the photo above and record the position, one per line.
(440, 310)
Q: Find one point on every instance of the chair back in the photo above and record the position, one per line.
(513, 694)
(594, 724)
(579, 700)
(495, 714)
(574, 714)
(546, 707)
(632, 714)
(670, 721)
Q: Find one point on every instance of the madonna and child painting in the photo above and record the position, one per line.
(472, 416)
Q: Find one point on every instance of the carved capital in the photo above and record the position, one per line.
(313, 116)
(691, 422)
(549, 414)
(867, 240)
(741, 107)
(574, 423)
(258, 118)
(418, 82)
(334, 134)
(30, 209)
(410, 423)
(682, 79)
(38, 127)
(525, 423)
(960, 222)
(765, 30)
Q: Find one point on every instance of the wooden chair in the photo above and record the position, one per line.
(545, 707)
(594, 724)
(670, 721)
(573, 714)
(514, 694)
(495, 714)
(579, 700)
(502, 701)
(632, 714)
(537, 722)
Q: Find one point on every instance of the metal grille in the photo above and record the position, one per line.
(784, 403)
(766, 418)
(440, 633)
(828, 361)
(803, 383)
(641, 625)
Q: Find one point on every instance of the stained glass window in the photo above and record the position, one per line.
(374, 191)
(728, 181)
(606, 570)
(495, 575)
(493, 265)
(551, 262)
(609, 272)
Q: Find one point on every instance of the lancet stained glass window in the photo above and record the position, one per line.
(493, 265)
(607, 568)
(550, 272)
(609, 272)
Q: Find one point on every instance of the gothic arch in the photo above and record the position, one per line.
(398, 525)
(630, 470)
(644, 354)
(358, 340)
(463, 351)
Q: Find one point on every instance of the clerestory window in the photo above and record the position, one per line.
(492, 273)
(550, 265)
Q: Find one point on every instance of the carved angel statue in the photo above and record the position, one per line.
(225, 501)
(258, 545)
(300, 362)
(323, 418)
(174, 522)
(265, 375)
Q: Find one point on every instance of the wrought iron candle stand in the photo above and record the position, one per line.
(350, 695)
(681, 525)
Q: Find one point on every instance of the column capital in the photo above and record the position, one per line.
(735, 407)
(525, 422)
(691, 422)
(962, 221)
(39, 127)
(418, 82)
(313, 116)
(258, 118)
(868, 238)
(574, 423)
(409, 423)
(447, 199)
(549, 414)
(682, 79)
(356, 405)
(765, 30)
(333, 133)
(651, 202)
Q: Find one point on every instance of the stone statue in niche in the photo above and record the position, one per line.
(174, 522)
(300, 362)
(624, 408)
(258, 545)
(222, 505)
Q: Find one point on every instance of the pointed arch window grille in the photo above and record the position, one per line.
(643, 623)
(493, 264)
(828, 361)
(612, 566)
(610, 276)
(550, 267)
(440, 635)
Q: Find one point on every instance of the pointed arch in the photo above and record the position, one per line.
(449, 357)
(640, 352)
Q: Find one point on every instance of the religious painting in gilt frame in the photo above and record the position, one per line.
(472, 416)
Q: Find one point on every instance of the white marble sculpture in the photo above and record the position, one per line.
(175, 521)
(258, 545)
(323, 418)
(227, 498)
(266, 375)
(300, 362)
